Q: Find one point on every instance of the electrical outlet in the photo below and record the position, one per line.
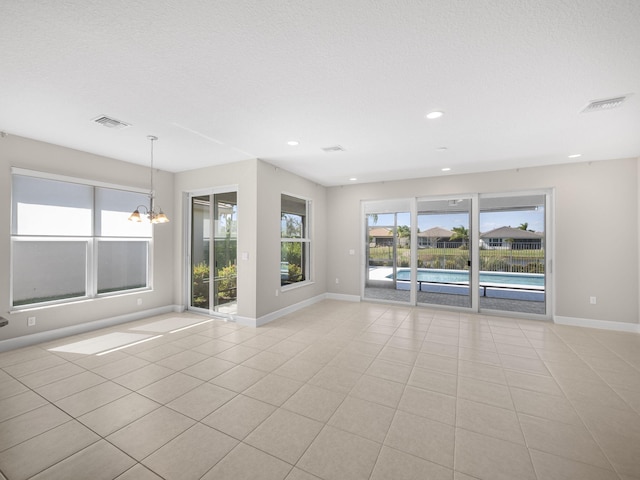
(337, 280)
(139, 301)
(592, 300)
(277, 292)
(31, 322)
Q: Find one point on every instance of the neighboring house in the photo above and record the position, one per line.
(436, 237)
(512, 238)
(381, 237)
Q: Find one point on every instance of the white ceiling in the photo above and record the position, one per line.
(228, 80)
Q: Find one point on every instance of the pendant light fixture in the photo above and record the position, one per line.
(150, 212)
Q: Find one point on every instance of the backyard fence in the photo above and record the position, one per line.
(524, 257)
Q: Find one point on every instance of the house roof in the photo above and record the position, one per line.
(380, 232)
(436, 232)
(224, 81)
(510, 232)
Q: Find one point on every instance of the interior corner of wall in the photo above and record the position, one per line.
(245, 321)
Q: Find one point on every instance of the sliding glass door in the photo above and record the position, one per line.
(214, 239)
(444, 245)
(513, 253)
(481, 252)
(388, 251)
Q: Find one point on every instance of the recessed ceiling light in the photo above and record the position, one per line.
(441, 149)
(446, 169)
(353, 179)
(293, 143)
(434, 114)
(575, 155)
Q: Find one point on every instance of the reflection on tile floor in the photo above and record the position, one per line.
(337, 390)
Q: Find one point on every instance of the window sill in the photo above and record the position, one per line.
(76, 301)
(295, 286)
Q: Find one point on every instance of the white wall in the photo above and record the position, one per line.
(242, 175)
(259, 188)
(272, 182)
(596, 230)
(30, 154)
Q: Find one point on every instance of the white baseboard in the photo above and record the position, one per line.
(270, 317)
(49, 335)
(244, 321)
(600, 324)
(343, 297)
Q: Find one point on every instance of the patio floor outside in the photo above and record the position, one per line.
(452, 300)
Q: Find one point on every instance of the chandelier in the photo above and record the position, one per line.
(150, 212)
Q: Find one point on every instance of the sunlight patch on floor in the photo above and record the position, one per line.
(101, 343)
(167, 324)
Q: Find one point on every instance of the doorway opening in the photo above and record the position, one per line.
(476, 252)
(213, 252)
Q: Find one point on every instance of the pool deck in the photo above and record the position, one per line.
(504, 291)
(456, 300)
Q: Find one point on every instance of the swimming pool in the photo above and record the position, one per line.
(457, 276)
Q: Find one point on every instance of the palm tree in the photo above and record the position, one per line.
(523, 226)
(404, 232)
(460, 233)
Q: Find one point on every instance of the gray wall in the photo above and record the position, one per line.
(243, 176)
(272, 182)
(30, 154)
(596, 230)
(259, 188)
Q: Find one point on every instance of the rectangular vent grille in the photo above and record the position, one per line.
(335, 148)
(605, 104)
(110, 122)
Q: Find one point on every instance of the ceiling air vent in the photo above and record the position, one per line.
(604, 104)
(335, 148)
(110, 122)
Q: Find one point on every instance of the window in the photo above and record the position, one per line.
(71, 240)
(294, 240)
(122, 246)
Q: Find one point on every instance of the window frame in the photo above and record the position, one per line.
(305, 240)
(92, 242)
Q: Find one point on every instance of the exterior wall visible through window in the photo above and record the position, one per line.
(71, 240)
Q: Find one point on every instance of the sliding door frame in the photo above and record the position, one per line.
(549, 248)
(473, 240)
(474, 251)
(187, 242)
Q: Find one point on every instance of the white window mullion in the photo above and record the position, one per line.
(92, 268)
(296, 230)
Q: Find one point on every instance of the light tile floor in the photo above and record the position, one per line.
(335, 391)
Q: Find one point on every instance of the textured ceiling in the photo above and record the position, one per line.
(228, 80)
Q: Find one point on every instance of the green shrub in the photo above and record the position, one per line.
(200, 285)
(494, 265)
(536, 267)
(227, 281)
(295, 273)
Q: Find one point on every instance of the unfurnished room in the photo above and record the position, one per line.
(330, 240)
